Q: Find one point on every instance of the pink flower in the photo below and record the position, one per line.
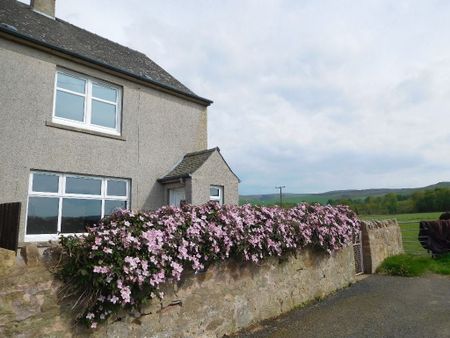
(125, 293)
(155, 246)
(101, 269)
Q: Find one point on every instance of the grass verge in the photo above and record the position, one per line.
(411, 266)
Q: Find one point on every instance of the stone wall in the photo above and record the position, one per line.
(28, 304)
(227, 297)
(381, 239)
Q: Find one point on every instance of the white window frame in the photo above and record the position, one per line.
(88, 97)
(217, 198)
(61, 194)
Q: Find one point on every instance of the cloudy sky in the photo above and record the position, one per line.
(315, 95)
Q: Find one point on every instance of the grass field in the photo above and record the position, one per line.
(411, 265)
(409, 223)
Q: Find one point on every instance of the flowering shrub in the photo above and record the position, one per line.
(124, 259)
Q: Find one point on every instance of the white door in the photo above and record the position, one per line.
(176, 196)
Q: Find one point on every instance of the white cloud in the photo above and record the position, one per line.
(316, 95)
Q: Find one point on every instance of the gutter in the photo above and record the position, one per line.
(173, 179)
(192, 97)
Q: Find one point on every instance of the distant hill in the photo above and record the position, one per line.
(267, 199)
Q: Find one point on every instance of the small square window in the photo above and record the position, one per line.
(69, 106)
(103, 114)
(83, 186)
(71, 83)
(45, 183)
(117, 188)
(105, 93)
(216, 193)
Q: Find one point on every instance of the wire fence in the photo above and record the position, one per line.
(410, 235)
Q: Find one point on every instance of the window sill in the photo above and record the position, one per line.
(47, 239)
(85, 131)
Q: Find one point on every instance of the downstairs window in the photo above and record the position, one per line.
(67, 203)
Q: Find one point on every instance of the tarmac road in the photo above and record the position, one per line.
(377, 306)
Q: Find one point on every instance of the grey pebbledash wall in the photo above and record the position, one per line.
(381, 239)
(157, 129)
(214, 172)
(229, 296)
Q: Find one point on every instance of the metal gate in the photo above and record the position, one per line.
(410, 238)
(9, 225)
(358, 252)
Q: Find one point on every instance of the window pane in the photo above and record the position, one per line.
(214, 191)
(104, 93)
(45, 182)
(77, 214)
(83, 185)
(71, 83)
(117, 188)
(110, 206)
(69, 106)
(103, 114)
(42, 215)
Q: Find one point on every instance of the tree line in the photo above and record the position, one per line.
(436, 200)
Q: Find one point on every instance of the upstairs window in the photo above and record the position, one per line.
(216, 193)
(87, 103)
(67, 204)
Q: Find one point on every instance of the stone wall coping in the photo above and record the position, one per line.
(376, 224)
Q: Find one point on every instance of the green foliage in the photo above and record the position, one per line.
(422, 201)
(433, 200)
(405, 265)
(412, 266)
(441, 265)
(413, 217)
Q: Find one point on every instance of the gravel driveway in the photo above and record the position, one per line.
(377, 306)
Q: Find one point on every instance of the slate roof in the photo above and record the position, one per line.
(188, 165)
(19, 20)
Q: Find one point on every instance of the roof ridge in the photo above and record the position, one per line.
(203, 151)
(24, 5)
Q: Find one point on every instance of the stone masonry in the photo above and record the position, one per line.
(381, 239)
(227, 297)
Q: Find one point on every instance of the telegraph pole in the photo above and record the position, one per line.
(281, 187)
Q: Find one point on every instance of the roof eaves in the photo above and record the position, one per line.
(175, 178)
(11, 31)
